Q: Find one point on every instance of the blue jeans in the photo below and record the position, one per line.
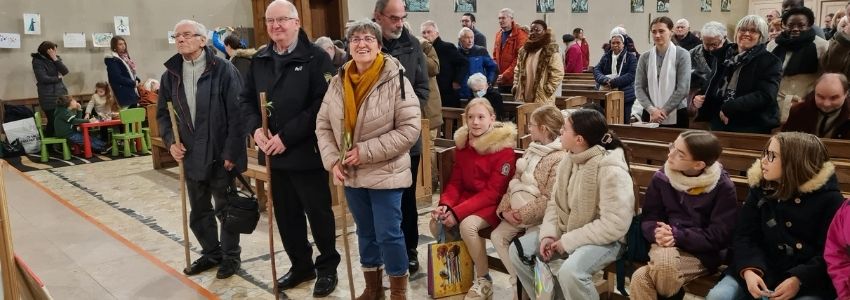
(728, 288)
(377, 214)
(575, 274)
(96, 144)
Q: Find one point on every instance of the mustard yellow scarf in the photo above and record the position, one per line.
(355, 87)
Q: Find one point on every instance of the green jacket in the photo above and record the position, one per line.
(64, 121)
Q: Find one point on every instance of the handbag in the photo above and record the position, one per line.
(11, 149)
(450, 270)
(241, 213)
(25, 131)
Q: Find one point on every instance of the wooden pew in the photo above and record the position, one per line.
(160, 156)
(585, 76)
(612, 101)
(452, 120)
(579, 86)
(523, 118)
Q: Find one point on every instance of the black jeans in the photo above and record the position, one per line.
(297, 193)
(202, 217)
(409, 215)
(48, 128)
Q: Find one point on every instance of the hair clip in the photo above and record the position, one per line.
(607, 138)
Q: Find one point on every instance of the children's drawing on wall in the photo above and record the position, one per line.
(663, 6)
(101, 40)
(122, 25)
(32, 24)
(417, 5)
(637, 6)
(464, 6)
(74, 40)
(10, 40)
(705, 5)
(725, 5)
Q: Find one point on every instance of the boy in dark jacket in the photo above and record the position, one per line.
(67, 115)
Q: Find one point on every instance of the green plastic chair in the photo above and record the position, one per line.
(132, 120)
(66, 152)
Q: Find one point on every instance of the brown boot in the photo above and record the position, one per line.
(398, 287)
(373, 290)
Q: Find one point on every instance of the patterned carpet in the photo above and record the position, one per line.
(32, 162)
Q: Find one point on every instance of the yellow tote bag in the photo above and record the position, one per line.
(450, 269)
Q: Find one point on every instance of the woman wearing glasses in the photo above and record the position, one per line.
(799, 49)
(743, 98)
(590, 211)
(368, 121)
(781, 231)
(538, 73)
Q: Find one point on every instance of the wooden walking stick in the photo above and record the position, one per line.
(11, 289)
(176, 131)
(269, 196)
(340, 194)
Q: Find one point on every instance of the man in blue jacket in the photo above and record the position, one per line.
(204, 89)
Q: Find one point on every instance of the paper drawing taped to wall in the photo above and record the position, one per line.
(122, 25)
(10, 40)
(101, 40)
(32, 24)
(74, 40)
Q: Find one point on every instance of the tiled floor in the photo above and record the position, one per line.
(143, 206)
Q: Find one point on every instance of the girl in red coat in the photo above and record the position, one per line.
(484, 164)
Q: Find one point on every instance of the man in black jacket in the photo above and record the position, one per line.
(294, 74)
(468, 21)
(453, 65)
(205, 90)
(399, 43)
(682, 35)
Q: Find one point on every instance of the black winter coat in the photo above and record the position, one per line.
(453, 68)
(408, 51)
(218, 131)
(295, 92)
(688, 42)
(49, 85)
(786, 237)
(121, 80)
(753, 107)
(626, 81)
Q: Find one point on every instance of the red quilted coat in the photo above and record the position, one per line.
(481, 173)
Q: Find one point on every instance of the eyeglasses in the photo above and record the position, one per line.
(185, 35)
(368, 39)
(395, 19)
(278, 20)
(748, 30)
(532, 125)
(769, 155)
(536, 29)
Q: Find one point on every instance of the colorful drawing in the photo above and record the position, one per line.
(464, 6)
(417, 5)
(122, 25)
(101, 40)
(10, 40)
(32, 24)
(451, 269)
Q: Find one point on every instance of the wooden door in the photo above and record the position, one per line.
(318, 18)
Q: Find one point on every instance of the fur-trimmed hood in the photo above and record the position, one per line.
(755, 176)
(501, 136)
(246, 53)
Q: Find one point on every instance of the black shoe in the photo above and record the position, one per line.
(202, 264)
(291, 280)
(325, 285)
(678, 296)
(228, 267)
(412, 261)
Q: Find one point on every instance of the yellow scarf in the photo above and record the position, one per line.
(355, 87)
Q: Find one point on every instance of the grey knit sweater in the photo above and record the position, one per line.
(192, 70)
(683, 81)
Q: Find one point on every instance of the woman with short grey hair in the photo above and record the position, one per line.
(481, 89)
(743, 97)
(338, 56)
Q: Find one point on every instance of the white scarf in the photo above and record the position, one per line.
(662, 87)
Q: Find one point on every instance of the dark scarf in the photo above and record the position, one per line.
(804, 53)
(732, 65)
(534, 44)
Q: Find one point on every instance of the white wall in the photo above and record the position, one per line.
(602, 16)
(149, 23)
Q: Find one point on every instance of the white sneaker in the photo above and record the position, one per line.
(482, 288)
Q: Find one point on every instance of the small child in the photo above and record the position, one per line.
(102, 101)
(148, 92)
(68, 114)
(837, 251)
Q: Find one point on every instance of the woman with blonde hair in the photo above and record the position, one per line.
(781, 230)
(524, 204)
(484, 163)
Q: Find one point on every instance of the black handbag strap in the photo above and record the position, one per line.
(244, 182)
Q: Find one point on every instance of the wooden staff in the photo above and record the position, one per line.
(340, 194)
(11, 290)
(176, 131)
(269, 207)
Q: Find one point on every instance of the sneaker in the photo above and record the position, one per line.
(482, 288)
(227, 268)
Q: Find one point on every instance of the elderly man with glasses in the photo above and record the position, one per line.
(294, 74)
(203, 88)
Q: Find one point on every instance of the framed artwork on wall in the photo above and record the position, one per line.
(725, 5)
(417, 5)
(637, 6)
(464, 6)
(705, 5)
(546, 6)
(663, 6)
(579, 6)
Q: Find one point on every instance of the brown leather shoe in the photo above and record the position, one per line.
(398, 287)
(374, 290)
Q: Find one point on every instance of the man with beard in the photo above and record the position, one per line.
(453, 66)
(468, 21)
(826, 111)
(399, 43)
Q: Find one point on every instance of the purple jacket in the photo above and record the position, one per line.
(702, 224)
